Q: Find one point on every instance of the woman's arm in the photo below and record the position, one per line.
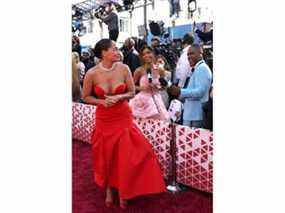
(162, 72)
(87, 91)
(137, 77)
(130, 84)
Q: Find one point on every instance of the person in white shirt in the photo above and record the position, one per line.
(183, 68)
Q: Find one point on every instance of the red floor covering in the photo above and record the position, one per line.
(88, 198)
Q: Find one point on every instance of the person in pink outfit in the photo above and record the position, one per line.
(148, 102)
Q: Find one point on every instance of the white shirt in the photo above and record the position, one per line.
(183, 68)
(135, 51)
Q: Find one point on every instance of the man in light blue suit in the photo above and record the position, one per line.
(196, 89)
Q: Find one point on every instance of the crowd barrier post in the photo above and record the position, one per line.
(174, 186)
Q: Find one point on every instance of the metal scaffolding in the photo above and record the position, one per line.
(84, 10)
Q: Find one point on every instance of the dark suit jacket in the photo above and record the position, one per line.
(208, 114)
(132, 60)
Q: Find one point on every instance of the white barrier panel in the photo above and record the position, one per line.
(194, 158)
(194, 147)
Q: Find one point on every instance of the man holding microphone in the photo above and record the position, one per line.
(196, 88)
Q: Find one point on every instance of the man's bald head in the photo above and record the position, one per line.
(129, 43)
(195, 54)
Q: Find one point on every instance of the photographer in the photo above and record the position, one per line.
(206, 35)
(166, 50)
(111, 20)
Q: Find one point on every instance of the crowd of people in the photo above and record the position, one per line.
(157, 83)
(137, 81)
(170, 82)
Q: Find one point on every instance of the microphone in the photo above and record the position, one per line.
(149, 75)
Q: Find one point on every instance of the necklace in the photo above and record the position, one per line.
(105, 69)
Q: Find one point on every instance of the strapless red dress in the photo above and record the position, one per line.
(123, 157)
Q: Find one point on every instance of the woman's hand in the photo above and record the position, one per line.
(153, 86)
(104, 103)
(150, 87)
(144, 88)
(111, 100)
(107, 102)
(174, 91)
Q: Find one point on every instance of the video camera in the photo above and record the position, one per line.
(100, 11)
(169, 54)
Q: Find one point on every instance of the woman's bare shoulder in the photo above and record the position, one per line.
(139, 70)
(93, 71)
(122, 66)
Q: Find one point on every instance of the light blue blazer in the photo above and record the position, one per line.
(197, 92)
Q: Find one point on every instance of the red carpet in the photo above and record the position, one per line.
(88, 198)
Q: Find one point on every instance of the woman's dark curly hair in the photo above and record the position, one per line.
(103, 44)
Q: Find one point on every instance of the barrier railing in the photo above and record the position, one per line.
(194, 147)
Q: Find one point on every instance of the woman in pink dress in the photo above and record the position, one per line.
(148, 102)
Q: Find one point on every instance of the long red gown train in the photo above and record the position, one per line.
(123, 157)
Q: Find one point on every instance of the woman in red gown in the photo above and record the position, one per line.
(123, 157)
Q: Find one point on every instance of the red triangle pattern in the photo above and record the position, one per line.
(203, 143)
(189, 171)
(203, 160)
(188, 139)
(204, 151)
(197, 173)
(180, 142)
(197, 131)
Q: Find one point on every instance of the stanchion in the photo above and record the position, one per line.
(174, 186)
